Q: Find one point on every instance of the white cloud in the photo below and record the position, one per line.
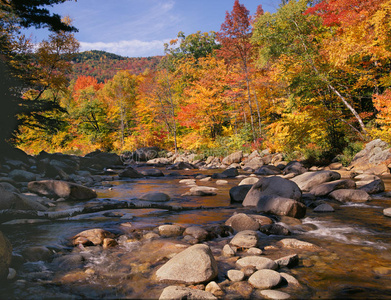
(132, 48)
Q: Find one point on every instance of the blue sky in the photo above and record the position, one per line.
(138, 28)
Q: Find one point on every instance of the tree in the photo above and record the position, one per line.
(234, 36)
(16, 60)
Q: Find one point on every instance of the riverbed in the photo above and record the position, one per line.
(354, 261)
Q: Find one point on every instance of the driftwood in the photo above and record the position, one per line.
(92, 207)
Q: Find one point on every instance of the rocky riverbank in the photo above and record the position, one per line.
(213, 261)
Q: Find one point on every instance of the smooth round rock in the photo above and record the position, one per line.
(235, 275)
(265, 279)
(156, 197)
(387, 212)
(245, 239)
(258, 262)
(272, 294)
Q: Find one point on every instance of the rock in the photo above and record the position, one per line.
(5, 186)
(146, 153)
(238, 193)
(374, 187)
(254, 251)
(202, 191)
(152, 173)
(181, 166)
(214, 288)
(268, 170)
(253, 163)
(197, 232)
(5, 256)
(245, 239)
(294, 167)
(274, 229)
(188, 181)
(296, 244)
(22, 175)
(387, 212)
(265, 279)
(100, 160)
(323, 208)
(249, 181)
(129, 172)
(262, 220)
(233, 158)
(326, 188)
(272, 186)
(308, 180)
(258, 262)
(155, 197)
(10, 200)
(289, 261)
(35, 254)
(228, 250)
(290, 279)
(91, 236)
(350, 195)
(235, 275)
(240, 222)
(281, 206)
(61, 189)
(181, 292)
(109, 243)
(221, 182)
(11, 274)
(272, 294)
(194, 265)
(170, 230)
(231, 172)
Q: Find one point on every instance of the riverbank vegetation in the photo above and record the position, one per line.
(310, 78)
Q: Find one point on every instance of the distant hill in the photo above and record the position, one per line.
(104, 65)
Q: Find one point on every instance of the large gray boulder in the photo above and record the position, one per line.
(326, 188)
(281, 206)
(194, 265)
(294, 167)
(22, 175)
(100, 160)
(272, 186)
(238, 193)
(61, 189)
(5, 256)
(268, 170)
(373, 187)
(180, 292)
(308, 180)
(12, 200)
(350, 195)
(253, 163)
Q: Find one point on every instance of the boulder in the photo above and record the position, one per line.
(235, 275)
(245, 239)
(258, 262)
(326, 188)
(308, 180)
(240, 222)
(350, 195)
(374, 187)
(152, 173)
(12, 200)
(294, 167)
(181, 292)
(268, 170)
(100, 160)
(272, 186)
(249, 181)
(281, 206)
(194, 265)
(274, 229)
(296, 244)
(169, 230)
(61, 189)
(238, 193)
(8, 187)
(323, 208)
(202, 191)
(387, 212)
(129, 172)
(253, 163)
(233, 158)
(289, 261)
(231, 172)
(273, 294)
(5, 256)
(197, 232)
(91, 237)
(265, 279)
(156, 197)
(22, 175)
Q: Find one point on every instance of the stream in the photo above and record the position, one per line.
(354, 261)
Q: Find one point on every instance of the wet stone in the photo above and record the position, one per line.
(245, 239)
(228, 250)
(272, 294)
(290, 279)
(235, 275)
(265, 279)
(258, 262)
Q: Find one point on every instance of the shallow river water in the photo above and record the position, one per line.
(354, 261)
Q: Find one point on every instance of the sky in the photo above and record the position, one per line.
(139, 28)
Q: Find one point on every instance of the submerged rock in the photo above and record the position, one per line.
(350, 195)
(240, 222)
(91, 236)
(181, 292)
(156, 197)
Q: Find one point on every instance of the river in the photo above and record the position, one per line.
(354, 263)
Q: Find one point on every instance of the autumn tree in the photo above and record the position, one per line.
(234, 37)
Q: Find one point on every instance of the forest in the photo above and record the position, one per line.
(310, 80)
